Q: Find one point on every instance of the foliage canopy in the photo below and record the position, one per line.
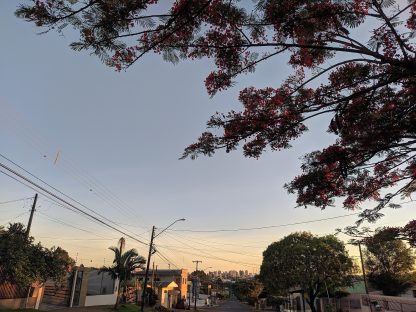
(306, 263)
(364, 84)
(389, 263)
(247, 290)
(201, 276)
(22, 262)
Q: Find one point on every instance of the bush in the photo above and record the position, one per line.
(275, 302)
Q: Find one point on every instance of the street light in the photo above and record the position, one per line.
(206, 268)
(151, 251)
(183, 219)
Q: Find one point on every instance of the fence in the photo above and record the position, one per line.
(370, 303)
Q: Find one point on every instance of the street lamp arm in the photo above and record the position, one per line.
(183, 219)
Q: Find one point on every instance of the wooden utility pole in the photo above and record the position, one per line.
(153, 275)
(32, 211)
(146, 276)
(363, 268)
(364, 276)
(196, 280)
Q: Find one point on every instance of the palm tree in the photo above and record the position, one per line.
(123, 266)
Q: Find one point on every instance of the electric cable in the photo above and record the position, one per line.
(67, 203)
(268, 226)
(166, 259)
(47, 196)
(245, 264)
(78, 239)
(98, 189)
(18, 216)
(203, 253)
(67, 196)
(50, 218)
(209, 254)
(15, 200)
(217, 248)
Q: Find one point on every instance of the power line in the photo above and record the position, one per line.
(203, 253)
(44, 215)
(217, 248)
(18, 216)
(245, 264)
(227, 244)
(40, 144)
(15, 200)
(162, 258)
(53, 200)
(67, 203)
(78, 239)
(67, 196)
(266, 227)
(167, 260)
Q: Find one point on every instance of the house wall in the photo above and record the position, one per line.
(163, 297)
(86, 300)
(168, 296)
(17, 303)
(10, 291)
(367, 303)
(100, 300)
(180, 279)
(411, 293)
(20, 300)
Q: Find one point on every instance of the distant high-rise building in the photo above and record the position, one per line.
(233, 274)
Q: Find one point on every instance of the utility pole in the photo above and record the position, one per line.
(362, 268)
(146, 276)
(196, 280)
(153, 275)
(364, 276)
(151, 250)
(29, 225)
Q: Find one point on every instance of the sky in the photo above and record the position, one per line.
(112, 142)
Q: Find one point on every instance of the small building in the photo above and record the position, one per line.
(168, 293)
(179, 277)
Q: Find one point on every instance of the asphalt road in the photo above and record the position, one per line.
(229, 306)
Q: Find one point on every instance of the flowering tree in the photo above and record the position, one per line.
(406, 233)
(368, 90)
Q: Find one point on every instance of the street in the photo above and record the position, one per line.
(231, 305)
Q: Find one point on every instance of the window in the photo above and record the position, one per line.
(99, 284)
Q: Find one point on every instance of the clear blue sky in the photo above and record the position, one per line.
(119, 137)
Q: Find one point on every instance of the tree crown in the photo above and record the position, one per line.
(23, 262)
(368, 92)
